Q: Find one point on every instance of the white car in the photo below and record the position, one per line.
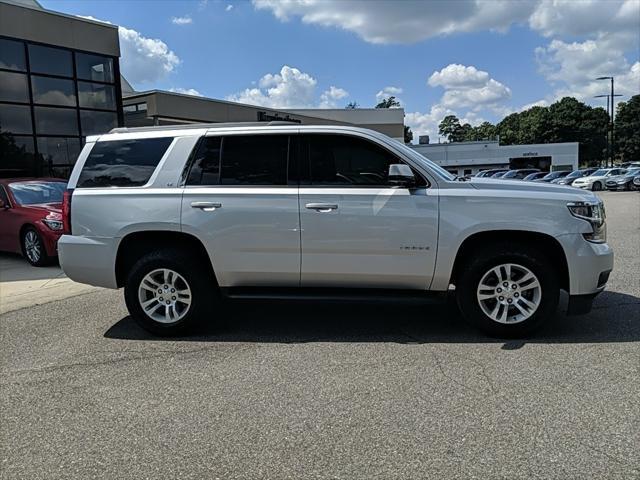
(597, 180)
(184, 216)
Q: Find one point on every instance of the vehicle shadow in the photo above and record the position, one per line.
(614, 318)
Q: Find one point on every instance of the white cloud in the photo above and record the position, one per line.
(228, 8)
(186, 20)
(468, 87)
(586, 17)
(387, 92)
(404, 21)
(573, 67)
(329, 98)
(458, 76)
(290, 88)
(186, 91)
(143, 60)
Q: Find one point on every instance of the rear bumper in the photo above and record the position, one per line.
(89, 260)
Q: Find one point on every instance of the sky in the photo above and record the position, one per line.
(477, 59)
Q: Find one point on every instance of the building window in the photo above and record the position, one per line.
(14, 87)
(94, 123)
(12, 55)
(53, 91)
(56, 121)
(94, 67)
(49, 60)
(65, 94)
(95, 95)
(15, 119)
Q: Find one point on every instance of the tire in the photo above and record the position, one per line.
(596, 187)
(519, 319)
(190, 292)
(33, 248)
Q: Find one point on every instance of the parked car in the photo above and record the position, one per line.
(636, 182)
(568, 180)
(630, 164)
(498, 174)
(597, 179)
(181, 216)
(622, 181)
(518, 174)
(489, 173)
(31, 217)
(534, 176)
(551, 176)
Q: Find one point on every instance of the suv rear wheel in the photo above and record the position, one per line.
(508, 292)
(167, 292)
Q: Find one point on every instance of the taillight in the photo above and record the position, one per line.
(66, 211)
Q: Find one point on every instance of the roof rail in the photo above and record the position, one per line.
(190, 126)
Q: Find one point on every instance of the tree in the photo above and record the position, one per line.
(408, 134)
(627, 130)
(390, 102)
(567, 120)
(449, 126)
(352, 105)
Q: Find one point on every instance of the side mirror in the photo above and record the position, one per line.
(401, 175)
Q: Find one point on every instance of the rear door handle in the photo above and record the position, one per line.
(322, 207)
(206, 206)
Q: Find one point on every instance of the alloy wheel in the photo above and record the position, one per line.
(164, 295)
(32, 246)
(509, 293)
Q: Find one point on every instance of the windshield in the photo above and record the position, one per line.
(600, 173)
(575, 174)
(33, 193)
(632, 172)
(510, 174)
(437, 169)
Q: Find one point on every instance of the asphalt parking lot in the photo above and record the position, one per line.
(326, 391)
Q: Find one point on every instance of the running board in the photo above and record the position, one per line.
(357, 295)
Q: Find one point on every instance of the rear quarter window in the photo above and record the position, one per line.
(122, 163)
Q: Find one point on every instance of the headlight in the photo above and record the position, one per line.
(53, 224)
(595, 215)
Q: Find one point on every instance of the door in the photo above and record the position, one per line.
(10, 223)
(238, 201)
(357, 229)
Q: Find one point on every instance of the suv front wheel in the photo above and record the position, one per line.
(508, 292)
(167, 292)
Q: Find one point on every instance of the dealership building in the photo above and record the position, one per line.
(60, 81)
(468, 158)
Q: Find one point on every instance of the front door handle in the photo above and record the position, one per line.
(322, 207)
(206, 206)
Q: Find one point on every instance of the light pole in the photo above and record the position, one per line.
(613, 144)
(608, 113)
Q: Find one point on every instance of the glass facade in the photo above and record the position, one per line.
(50, 99)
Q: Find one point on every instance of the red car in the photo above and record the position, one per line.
(31, 217)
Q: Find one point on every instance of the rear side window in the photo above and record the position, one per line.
(122, 163)
(241, 160)
(254, 160)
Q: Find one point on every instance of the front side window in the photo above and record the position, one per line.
(35, 193)
(254, 160)
(123, 163)
(344, 160)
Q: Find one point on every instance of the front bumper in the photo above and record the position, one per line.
(589, 264)
(616, 186)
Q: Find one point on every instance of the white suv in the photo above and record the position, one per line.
(184, 216)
